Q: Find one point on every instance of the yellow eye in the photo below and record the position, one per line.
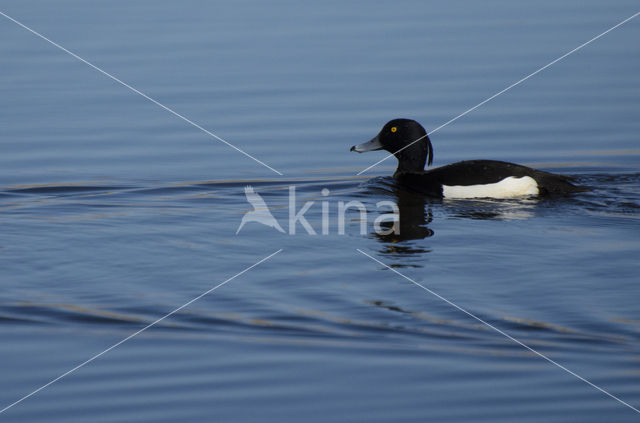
(394, 129)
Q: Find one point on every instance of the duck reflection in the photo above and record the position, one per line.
(400, 237)
(489, 209)
(411, 225)
(413, 219)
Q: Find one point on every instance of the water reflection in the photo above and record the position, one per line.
(488, 209)
(414, 216)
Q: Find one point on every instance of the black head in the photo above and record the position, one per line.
(407, 140)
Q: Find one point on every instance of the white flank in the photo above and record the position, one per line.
(506, 188)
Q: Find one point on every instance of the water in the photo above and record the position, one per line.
(114, 213)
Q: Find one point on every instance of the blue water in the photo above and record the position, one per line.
(114, 212)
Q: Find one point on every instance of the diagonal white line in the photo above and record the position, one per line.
(137, 333)
(173, 112)
(468, 313)
(506, 89)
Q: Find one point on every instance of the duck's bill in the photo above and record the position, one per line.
(372, 145)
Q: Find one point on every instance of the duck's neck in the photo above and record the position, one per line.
(412, 158)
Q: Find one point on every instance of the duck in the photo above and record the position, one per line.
(408, 141)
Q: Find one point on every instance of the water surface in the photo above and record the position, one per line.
(114, 213)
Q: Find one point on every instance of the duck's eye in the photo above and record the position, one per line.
(394, 129)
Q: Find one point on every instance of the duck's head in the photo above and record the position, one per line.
(404, 138)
